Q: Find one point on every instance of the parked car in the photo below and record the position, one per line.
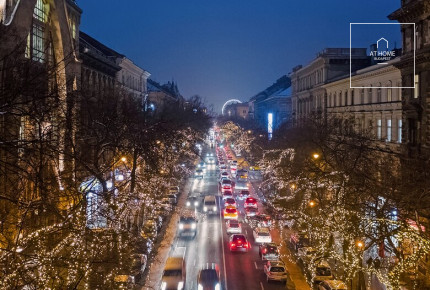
(322, 272)
(173, 199)
(306, 254)
(332, 285)
(299, 240)
(275, 271)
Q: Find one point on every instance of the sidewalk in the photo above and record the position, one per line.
(156, 268)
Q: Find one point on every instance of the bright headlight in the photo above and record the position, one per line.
(205, 208)
(180, 285)
(188, 203)
(163, 286)
(196, 203)
(214, 208)
(181, 226)
(193, 226)
(217, 286)
(200, 287)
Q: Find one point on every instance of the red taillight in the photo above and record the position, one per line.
(232, 245)
(246, 245)
(265, 251)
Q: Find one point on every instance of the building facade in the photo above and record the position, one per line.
(375, 109)
(416, 101)
(308, 95)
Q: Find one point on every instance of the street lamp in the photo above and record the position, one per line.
(312, 203)
(249, 131)
(123, 159)
(315, 155)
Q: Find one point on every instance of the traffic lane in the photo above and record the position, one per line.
(245, 270)
(203, 249)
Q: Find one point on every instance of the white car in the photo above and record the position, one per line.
(262, 235)
(322, 272)
(233, 227)
(275, 271)
(332, 285)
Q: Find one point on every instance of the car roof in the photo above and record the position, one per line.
(335, 284)
(277, 264)
(262, 230)
(323, 263)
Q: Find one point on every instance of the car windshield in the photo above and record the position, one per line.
(231, 210)
(263, 234)
(245, 192)
(173, 272)
(230, 200)
(277, 269)
(210, 202)
(251, 209)
(187, 219)
(250, 200)
(323, 271)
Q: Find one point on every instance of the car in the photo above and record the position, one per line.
(332, 285)
(227, 194)
(165, 204)
(187, 224)
(209, 277)
(263, 220)
(199, 174)
(255, 168)
(224, 174)
(269, 251)
(174, 274)
(250, 202)
(238, 242)
(243, 194)
(174, 189)
(322, 272)
(201, 165)
(226, 187)
(223, 166)
(209, 204)
(251, 211)
(211, 160)
(230, 212)
(275, 271)
(299, 240)
(230, 201)
(172, 198)
(233, 227)
(306, 254)
(193, 202)
(262, 235)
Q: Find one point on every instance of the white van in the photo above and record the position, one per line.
(209, 204)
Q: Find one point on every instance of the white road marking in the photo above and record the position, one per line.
(223, 254)
(255, 263)
(261, 284)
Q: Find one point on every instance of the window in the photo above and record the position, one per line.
(362, 96)
(38, 50)
(379, 129)
(399, 131)
(369, 95)
(389, 95)
(389, 130)
(41, 11)
(346, 99)
(352, 97)
(417, 86)
(334, 99)
(379, 94)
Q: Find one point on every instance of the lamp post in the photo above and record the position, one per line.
(360, 247)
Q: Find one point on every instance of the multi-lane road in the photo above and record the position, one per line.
(210, 245)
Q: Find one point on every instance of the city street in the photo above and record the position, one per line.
(237, 270)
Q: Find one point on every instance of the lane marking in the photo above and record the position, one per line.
(261, 284)
(223, 255)
(255, 263)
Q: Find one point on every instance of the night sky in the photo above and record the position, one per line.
(229, 49)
